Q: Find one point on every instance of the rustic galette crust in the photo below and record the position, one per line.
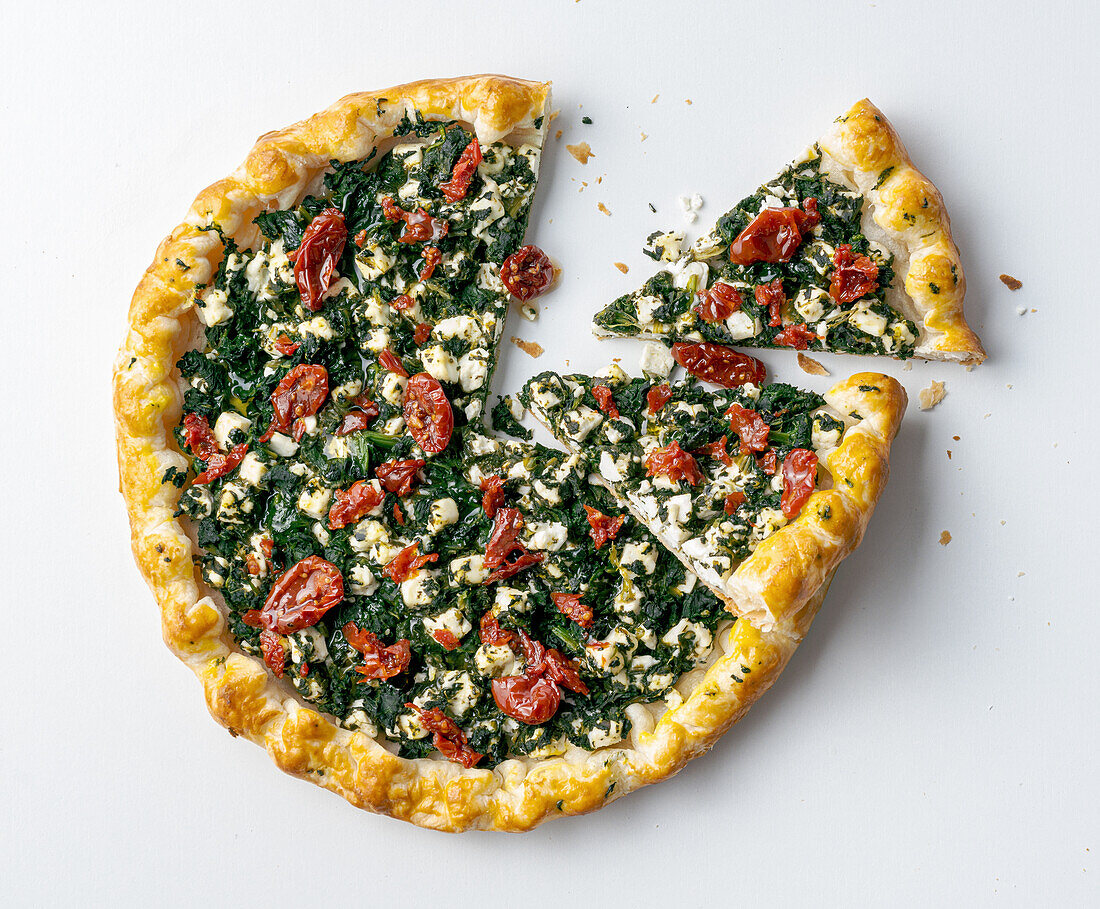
(240, 693)
(910, 210)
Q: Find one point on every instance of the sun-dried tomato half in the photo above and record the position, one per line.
(199, 437)
(221, 464)
(799, 480)
(603, 527)
(796, 335)
(302, 595)
(432, 257)
(518, 564)
(769, 463)
(750, 428)
(673, 462)
(422, 333)
(854, 276)
(402, 302)
(774, 235)
(354, 503)
(542, 660)
(531, 701)
(527, 272)
(379, 662)
(407, 563)
(428, 413)
(273, 652)
(391, 362)
(570, 606)
(717, 303)
(360, 418)
(398, 476)
(772, 296)
(720, 365)
(465, 167)
(285, 347)
(448, 739)
(715, 450)
(420, 227)
(504, 543)
(605, 400)
(492, 493)
(317, 255)
(492, 633)
(658, 396)
(300, 393)
(733, 501)
(398, 514)
(446, 639)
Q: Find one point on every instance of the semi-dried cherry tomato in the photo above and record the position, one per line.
(379, 662)
(420, 227)
(354, 503)
(720, 365)
(432, 257)
(527, 272)
(796, 335)
(774, 235)
(428, 413)
(465, 167)
(673, 462)
(302, 595)
(605, 400)
(772, 296)
(448, 739)
(274, 653)
(717, 303)
(715, 450)
(854, 277)
(570, 606)
(531, 701)
(300, 393)
(750, 428)
(315, 260)
(407, 563)
(799, 480)
(658, 396)
(602, 527)
(392, 363)
(733, 501)
(398, 476)
(492, 633)
(492, 493)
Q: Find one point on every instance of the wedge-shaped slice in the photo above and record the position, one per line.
(849, 250)
(761, 492)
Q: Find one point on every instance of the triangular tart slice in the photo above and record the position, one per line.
(760, 491)
(847, 250)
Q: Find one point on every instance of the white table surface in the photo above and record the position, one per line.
(935, 740)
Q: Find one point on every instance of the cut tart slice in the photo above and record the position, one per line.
(847, 250)
(760, 491)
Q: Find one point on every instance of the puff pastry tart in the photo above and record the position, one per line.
(438, 625)
(849, 249)
(761, 490)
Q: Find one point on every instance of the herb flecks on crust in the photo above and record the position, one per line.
(713, 473)
(787, 267)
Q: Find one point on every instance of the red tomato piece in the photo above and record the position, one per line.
(605, 400)
(420, 227)
(360, 418)
(199, 437)
(402, 302)
(492, 494)
(398, 514)
(285, 346)
(854, 277)
(361, 237)
(774, 235)
(715, 450)
(422, 333)
(542, 660)
(492, 633)
(733, 501)
(750, 428)
(407, 563)
(432, 257)
(448, 739)
(379, 662)
(799, 480)
(300, 393)
(527, 272)
(428, 413)
(797, 336)
(658, 396)
(504, 543)
(273, 652)
(319, 252)
(772, 296)
(720, 365)
(392, 363)
(770, 462)
(602, 526)
(253, 564)
(570, 606)
(509, 569)
(463, 172)
(301, 595)
(221, 464)
(673, 462)
(354, 503)
(398, 476)
(446, 639)
(531, 701)
(718, 303)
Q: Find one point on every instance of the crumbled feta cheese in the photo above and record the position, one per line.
(214, 308)
(314, 500)
(226, 423)
(656, 360)
(442, 513)
(439, 363)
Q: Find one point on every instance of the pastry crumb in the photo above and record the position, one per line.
(557, 135)
(932, 395)
(949, 454)
(687, 100)
(1011, 283)
(811, 366)
(603, 208)
(582, 151)
(956, 438)
(622, 266)
(945, 538)
(645, 136)
(655, 97)
(554, 115)
(907, 367)
(531, 348)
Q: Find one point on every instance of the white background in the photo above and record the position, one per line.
(934, 742)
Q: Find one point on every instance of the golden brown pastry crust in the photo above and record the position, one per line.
(910, 210)
(240, 693)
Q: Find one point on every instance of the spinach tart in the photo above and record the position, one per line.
(848, 250)
(437, 625)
